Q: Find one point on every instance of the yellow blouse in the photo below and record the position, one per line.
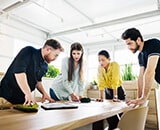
(110, 78)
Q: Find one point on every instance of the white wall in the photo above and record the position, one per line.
(8, 34)
(6, 52)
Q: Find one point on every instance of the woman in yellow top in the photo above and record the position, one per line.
(110, 81)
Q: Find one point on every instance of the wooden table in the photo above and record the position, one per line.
(63, 119)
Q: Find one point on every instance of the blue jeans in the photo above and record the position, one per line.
(53, 95)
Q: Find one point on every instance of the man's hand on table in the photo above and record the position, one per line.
(135, 102)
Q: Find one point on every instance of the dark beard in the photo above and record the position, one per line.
(46, 59)
(137, 48)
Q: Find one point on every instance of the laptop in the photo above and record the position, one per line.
(52, 106)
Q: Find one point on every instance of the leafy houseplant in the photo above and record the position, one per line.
(94, 84)
(130, 82)
(127, 73)
(52, 72)
(48, 79)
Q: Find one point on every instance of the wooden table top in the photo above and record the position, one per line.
(60, 119)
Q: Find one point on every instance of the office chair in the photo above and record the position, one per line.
(133, 119)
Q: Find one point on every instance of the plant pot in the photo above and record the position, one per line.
(94, 87)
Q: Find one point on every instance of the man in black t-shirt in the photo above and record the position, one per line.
(25, 73)
(148, 60)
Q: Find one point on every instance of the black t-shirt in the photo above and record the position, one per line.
(29, 60)
(151, 47)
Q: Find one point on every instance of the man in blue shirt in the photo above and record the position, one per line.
(148, 60)
(26, 71)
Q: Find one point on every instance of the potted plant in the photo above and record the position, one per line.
(129, 81)
(94, 84)
(48, 79)
(127, 73)
(49, 76)
(52, 72)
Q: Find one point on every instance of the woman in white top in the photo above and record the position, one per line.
(71, 78)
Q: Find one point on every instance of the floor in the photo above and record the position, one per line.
(149, 129)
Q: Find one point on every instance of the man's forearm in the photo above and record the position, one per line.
(140, 87)
(140, 81)
(40, 88)
(148, 82)
(22, 82)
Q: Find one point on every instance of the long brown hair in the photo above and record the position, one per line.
(75, 46)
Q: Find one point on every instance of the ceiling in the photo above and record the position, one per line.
(87, 21)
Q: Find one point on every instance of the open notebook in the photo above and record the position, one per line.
(51, 106)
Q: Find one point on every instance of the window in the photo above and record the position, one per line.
(121, 55)
(92, 65)
(19, 44)
(125, 56)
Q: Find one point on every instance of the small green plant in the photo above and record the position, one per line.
(94, 82)
(52, 72)
(127, 73)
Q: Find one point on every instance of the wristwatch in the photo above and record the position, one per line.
(115, 97)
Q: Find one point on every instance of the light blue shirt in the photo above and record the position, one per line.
(62, 87)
